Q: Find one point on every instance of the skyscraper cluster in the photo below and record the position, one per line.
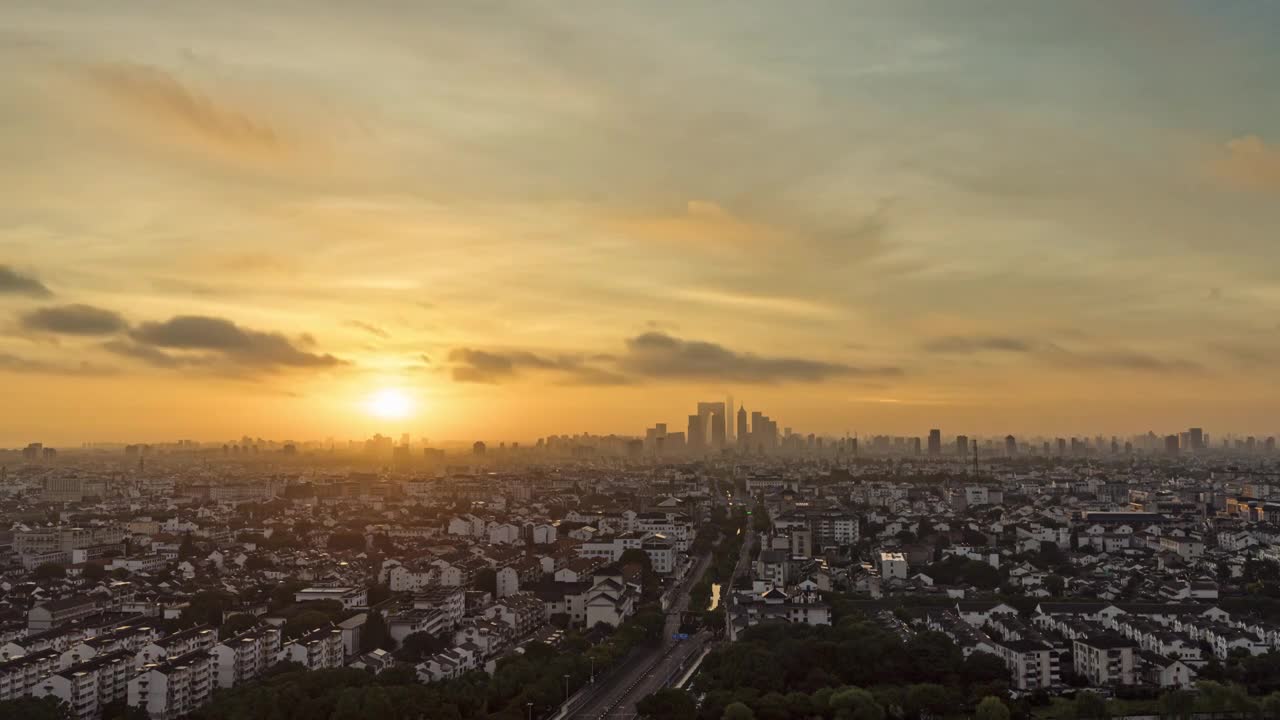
(715, 428)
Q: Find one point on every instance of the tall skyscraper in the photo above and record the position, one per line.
(705, 411)
(1197, 438)
(717, 431)
(935, 443)
(695, 437)
(728, 421)
(1010, 445)
(744, 435)
(962, 446)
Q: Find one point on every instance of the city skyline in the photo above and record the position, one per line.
(514, 220)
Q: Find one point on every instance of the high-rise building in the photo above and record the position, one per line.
(705, 411)
(1010, 445)
(744, 436)
(962, 445)
(717, 431)
(935, 442)
(1171, 444)
(728, 421)
(695, 436)
(1197, 438)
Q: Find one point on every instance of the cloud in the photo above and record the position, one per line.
(16, 364)
(151, 355)
(765, 303)
(75, 319)
(651, 356)
(963, 345)
(658, 355)
(1119, 359)
(1249, 163)
(700, 222)
(482, 366)
(153, 95)
(13, 282)
(228, 340)
(371, 329)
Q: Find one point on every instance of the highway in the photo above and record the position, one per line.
(658, 668)
(662, 666)
(651, 671)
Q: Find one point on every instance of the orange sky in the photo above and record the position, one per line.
(220, 219)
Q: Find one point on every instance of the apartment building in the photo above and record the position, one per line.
(245, 656)
(173, 688)
(1106, 659)
(86, 687)
(317, 650)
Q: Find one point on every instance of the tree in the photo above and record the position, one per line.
(49, 571)
(348, 707)
(1089, 706)
(421, 645)
(1271, 705)
(668, 703)
(926, 699)
(377, 704)
(236, 624)
(1055, 584)
(487, 581)
(991, 708)
(207, 607)
(1177, 705)
(374, 634)
(94, 572)
(258, 561)
(29, 708)
(304, 622)
(187, 549)
(379, 593)
(346, 541)
(737, 711)
(856, 704)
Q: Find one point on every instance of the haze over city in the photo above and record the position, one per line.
(639, 360)
(536, 218)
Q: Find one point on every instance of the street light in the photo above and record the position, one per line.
(566, 687)
(593, 669)
(530, 707)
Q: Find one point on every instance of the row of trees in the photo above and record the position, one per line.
(854, 652)
(840, 703)
(534, 681)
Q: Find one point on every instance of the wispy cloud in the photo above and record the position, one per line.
(166, 107)
(75, 319)
(1249, 163)
(658, 355)
(766, 303)
(964, 345)
(17, 364)
(371, 329)
(13, 282)
(482, 366)
(653, 357)
(224, 339)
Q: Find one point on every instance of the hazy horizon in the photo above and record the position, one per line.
(511, 220)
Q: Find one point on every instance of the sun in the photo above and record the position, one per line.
(389, 404)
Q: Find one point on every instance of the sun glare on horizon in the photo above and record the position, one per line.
(390, 404)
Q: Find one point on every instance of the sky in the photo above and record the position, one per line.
(527, 218)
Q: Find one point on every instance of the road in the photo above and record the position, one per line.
(653, 670)
(727, 597)
(659, 667)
